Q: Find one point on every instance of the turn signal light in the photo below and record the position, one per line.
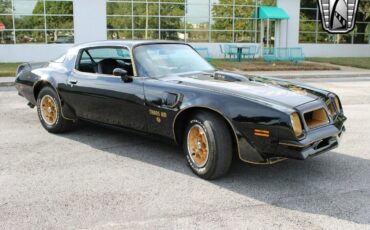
(261, 133)
(297, 124)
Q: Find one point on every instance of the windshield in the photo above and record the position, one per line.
(163, 59)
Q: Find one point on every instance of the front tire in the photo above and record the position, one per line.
(208, 146)
(50, 113)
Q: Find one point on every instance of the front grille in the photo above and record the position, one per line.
(316, 118)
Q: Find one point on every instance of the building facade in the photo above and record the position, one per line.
(39, 30)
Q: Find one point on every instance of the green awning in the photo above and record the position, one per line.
(270, 12)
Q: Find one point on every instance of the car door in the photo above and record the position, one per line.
(103, 97)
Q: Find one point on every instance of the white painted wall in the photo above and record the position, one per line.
(289, 29)
(90, 25)
(90, 20)
(336, 50)
(31, 53)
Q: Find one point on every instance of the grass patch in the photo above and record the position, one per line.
(260, 65)
(363, 63)
(8, 69)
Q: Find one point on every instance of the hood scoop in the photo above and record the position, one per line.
(229, 77)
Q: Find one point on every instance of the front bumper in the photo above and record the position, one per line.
(319, 141)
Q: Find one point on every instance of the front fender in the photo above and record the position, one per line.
(244, 117)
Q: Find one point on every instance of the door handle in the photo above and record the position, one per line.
(72, 82)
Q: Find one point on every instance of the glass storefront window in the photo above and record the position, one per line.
(119, 34)
(119, 22)
(175, 35)
(37, 21)
(146, 22)
(222, 36)
(31, 36)
(142, 34)
(184, 20)
(245, 36)
(197, 23)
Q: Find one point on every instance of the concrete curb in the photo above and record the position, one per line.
(310, 74)
(341, 76)
(6, 84)
(7, 81)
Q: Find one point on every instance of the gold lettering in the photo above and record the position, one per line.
(157, 113)
(154, 113)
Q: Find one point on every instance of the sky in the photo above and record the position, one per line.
(24, 7)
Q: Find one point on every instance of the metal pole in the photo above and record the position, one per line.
(286, 36)
(13, 18)
(146, 20)
(268, 33)
(45, 25)
(261, 38)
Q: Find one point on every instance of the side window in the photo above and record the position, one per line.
(104, 60)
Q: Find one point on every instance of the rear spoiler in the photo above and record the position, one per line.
(30, 66)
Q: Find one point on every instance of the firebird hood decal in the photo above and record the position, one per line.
(286, 94)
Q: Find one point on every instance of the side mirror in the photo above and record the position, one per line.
(123, 74)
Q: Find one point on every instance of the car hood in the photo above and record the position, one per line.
(270, 90)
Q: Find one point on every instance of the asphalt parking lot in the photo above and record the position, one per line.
(97, 178)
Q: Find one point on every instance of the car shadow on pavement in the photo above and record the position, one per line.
(332, 184)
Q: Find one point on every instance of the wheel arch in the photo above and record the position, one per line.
(41, 84)
(66, 111)
(182, 118)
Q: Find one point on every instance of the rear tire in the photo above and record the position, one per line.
(50, 113)
(208, 145)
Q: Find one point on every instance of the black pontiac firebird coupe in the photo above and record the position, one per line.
(168, 89)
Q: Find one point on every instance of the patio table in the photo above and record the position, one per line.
(240, 51)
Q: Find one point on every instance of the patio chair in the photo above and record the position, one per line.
(251, 52)
(283, 54)
(229, 51)
(204, 52)
(296, 54)
(269, 55)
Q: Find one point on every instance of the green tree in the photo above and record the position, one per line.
(173, 23)
(222, 15)
(54, 24)
(145, 18)
(363, 15)
(6, 8)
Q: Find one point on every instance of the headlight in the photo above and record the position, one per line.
(297, 124)
(337, 103)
